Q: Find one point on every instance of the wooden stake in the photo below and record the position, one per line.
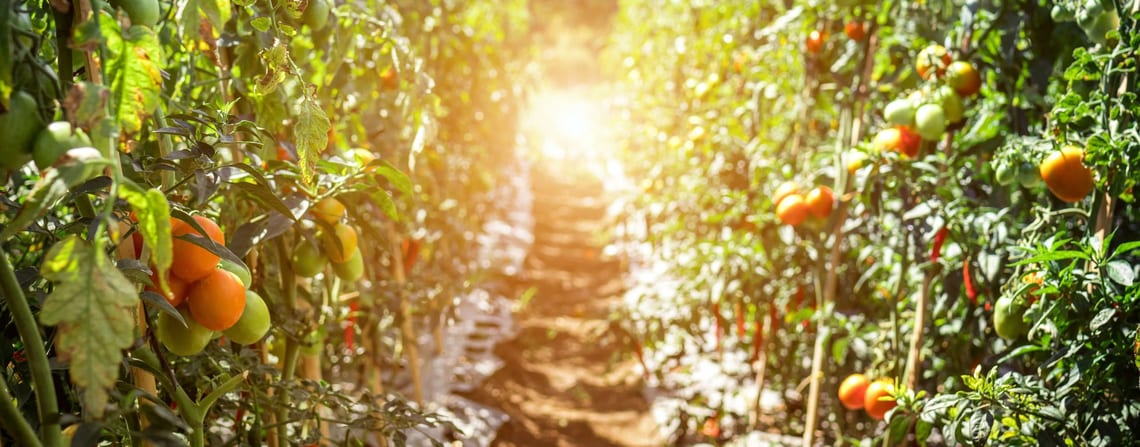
(821, 332)
(407, 329)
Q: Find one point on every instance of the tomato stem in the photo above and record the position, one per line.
(29, 330)
(13, 422)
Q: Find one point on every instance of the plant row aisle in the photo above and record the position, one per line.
(883, 223)
(250, 222)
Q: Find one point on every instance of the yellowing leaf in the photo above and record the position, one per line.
(134, 61)
(312, 135)
(92, 305)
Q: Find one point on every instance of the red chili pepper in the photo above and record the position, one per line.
(739, 309)
(19, 356)
(968, 281)
(350, 322)
(936, 249)
(241, 410)
(411, 249)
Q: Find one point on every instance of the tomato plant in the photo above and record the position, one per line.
(196, 165)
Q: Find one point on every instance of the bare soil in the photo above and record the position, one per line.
(562, 384)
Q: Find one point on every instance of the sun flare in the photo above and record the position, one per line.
(567, 125)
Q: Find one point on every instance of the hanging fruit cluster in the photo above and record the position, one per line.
(927, 113)
(210, 293)
(793, 207)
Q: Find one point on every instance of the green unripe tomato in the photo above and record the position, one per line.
(930, 121)
(951, 104)
(18, 128)
(308, 260)
(238, 270)
(182, 340)
(141, 12)
(1009, 320)
(317, 14)
(1100, 24)
(254, 322)
(352, 269)
(1028, 175)
(1005, 174)
(54, 141)
(900, 112)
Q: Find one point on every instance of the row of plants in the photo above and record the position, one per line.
(921, 213)
(226, 222)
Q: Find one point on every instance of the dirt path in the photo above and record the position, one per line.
(560, 384)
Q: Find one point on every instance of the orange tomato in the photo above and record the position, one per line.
(785, 189)
(329, 210)
(877, 401)
(192, 262)
(217, 301)
(853, 391)
(340, 248)
(178, 288)
(820, 201)
(792, 210)
(855, 30)
(964, 78)
(1066, 175)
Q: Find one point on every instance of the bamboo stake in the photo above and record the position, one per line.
(407, 329)
(821, 334)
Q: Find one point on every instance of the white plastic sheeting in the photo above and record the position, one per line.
(482, 320)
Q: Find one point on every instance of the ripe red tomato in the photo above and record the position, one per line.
(855, 30)
(815, 41)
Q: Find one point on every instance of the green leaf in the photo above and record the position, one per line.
(93, 306)
(1102, 318)
(261, 24)
(839, 349)
(43, 197)
(383, 200)
(1127, 247)
(312, 135)
(398, 179)
(978, 429)
(922, 430)
(153, 213)
(134, 69)
(1054, 256)
(1120, 272)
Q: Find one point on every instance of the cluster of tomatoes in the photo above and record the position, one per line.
(337, 247)
(211, 294)
(926, 113)
(793, 207)
(857, 392)
(26, 138)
